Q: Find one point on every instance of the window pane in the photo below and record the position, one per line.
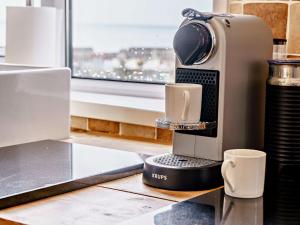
(3, 5)
(127, 40)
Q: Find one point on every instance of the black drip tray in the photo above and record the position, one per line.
(182, 173)
(41, 169)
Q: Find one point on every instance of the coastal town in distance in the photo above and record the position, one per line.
(146, 65)
(150, 65)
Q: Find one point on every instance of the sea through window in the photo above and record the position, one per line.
(127, 40)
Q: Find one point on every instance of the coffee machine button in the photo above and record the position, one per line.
(193, 43)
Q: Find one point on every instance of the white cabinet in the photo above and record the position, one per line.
(34, 104)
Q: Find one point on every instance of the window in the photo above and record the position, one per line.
(127, 40)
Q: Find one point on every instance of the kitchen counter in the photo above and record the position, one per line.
(278, 206)
(128, 201)
(108, 203)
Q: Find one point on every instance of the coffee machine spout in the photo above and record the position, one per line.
(165, 124)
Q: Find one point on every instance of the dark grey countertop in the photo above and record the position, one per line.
(41, 169)
(279, 205)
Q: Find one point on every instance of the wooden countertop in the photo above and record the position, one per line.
(108, 203)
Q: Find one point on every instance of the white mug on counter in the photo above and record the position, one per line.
(243, 171)
(183, 102)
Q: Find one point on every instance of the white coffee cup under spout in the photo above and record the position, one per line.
(183, 102)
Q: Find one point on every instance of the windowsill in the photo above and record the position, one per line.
(126, 109)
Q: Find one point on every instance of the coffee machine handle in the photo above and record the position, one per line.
(186, 107)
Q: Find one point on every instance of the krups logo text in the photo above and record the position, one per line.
(159, 176)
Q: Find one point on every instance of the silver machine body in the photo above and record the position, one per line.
(227, 55)
(242, 46)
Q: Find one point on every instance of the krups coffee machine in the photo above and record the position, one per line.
(227, 55)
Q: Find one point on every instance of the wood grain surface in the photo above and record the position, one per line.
(89, 206)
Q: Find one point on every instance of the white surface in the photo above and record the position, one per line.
(243, 171)
(119, 143)
(31, 36)
(61, 29)
(183, 102)
(60, 51)
(128, 109)
(84, 165)
(118, 88)
(34, 104)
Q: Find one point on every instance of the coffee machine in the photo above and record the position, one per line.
(227, 54)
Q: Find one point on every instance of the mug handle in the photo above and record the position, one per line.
(224, 168)
(186, 107)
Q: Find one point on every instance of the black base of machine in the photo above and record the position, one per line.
(175, 172)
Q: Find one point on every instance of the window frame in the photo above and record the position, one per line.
(137, 89)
